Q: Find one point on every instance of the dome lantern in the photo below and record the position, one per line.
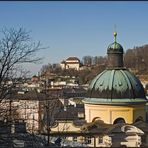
(115, 54)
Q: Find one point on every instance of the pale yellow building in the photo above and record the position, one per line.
(115, 95)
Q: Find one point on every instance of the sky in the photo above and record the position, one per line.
(77, 28)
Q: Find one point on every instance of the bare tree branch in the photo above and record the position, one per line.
(16, 48)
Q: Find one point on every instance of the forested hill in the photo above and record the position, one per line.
(137, 59)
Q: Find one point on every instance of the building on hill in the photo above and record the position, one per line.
(71, 63)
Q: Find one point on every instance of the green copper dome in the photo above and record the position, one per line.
(115, 48)
(115, 87)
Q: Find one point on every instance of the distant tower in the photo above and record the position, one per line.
(115, 95)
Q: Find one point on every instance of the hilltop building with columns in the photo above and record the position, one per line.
(71, 63)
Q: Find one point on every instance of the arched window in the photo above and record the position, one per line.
(95, 118)
(119, 120)
(139, 119)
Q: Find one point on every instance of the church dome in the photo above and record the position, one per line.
(116, 84)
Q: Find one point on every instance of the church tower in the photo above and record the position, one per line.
(115, 95)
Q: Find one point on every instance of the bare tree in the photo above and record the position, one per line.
(87, 60)
(16, 48)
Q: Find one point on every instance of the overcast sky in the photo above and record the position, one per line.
(77, 28)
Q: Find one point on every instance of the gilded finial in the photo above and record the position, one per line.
(115, 32)
(115, 35)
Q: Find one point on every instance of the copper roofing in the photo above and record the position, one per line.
(116, 87)
(115, 48)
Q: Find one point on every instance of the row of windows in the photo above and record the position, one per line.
(121, 120)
